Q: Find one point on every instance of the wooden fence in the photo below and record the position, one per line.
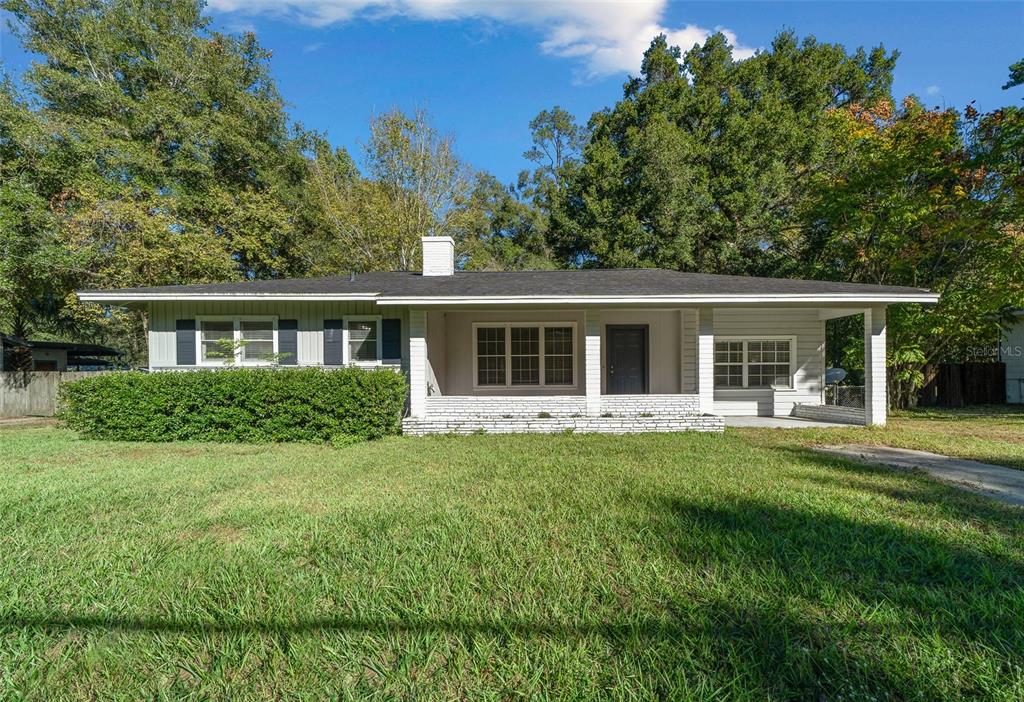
(960, 384)
(33, 394)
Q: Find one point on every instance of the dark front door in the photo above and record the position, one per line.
(626, 362)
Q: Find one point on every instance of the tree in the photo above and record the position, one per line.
(497, 229)
(925, 198)
(414, 186)
(35, 269)
(701, 165)
(1016, 75)
(169, 158)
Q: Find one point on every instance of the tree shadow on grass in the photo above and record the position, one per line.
(817, 577)
(920, 488)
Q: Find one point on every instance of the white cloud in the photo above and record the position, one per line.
(310, 48)
(605, 36)
(932, 90)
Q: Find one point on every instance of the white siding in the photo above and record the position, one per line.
(311, 316)
(1013, 357)
(809, 331)
(673, 344)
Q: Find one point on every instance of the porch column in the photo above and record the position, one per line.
(592, 361)
(417, 363)
(875, 400)
(706, 359)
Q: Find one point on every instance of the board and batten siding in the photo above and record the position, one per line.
(753, 323)
(310, 315)
(1013, 356)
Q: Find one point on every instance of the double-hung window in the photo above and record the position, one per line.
(245, 340)
(363, 340)
(519, 354)
(754, 363)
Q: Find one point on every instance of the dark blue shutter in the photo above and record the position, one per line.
(391, 339)
(333, 349)
(185, 342)
(288, 341)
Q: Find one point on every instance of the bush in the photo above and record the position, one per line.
(240, 404)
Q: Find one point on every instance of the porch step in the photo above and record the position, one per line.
(555, 424)
(647, 406)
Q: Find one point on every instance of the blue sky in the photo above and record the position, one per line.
(484, 68)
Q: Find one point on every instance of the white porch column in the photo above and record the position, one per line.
(706, 359)
(592, 361)
(875, 400)
(417, 363)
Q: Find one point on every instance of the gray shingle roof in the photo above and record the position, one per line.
(568, 283)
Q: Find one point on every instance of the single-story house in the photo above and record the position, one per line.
(592, 350)
(57, 355)
(1011, 352)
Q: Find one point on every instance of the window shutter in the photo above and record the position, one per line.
(185, 342)
(391, 339)
(288, 341)
(333, 342)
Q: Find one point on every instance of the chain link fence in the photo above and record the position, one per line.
(844, 395)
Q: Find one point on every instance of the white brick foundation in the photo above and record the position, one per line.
(620, 414)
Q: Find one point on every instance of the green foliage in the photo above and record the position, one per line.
(1016, 75)
(157, 152)
(236, 405)
(702, 165)
(414, 186)
(925, 198)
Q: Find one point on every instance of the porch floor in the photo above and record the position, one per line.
(784, 423)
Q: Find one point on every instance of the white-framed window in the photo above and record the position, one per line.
(517, 354)
(247, 340)
(364, 343)
(761, 362)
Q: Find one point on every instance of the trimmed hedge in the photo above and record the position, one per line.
(238, 404)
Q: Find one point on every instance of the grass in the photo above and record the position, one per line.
(556, 567)
(990, 434)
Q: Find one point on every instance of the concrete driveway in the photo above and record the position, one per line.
(1004, 484)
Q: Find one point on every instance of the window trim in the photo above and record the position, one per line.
(508, 355)
(236, 337)
(346, 356)
(746, 363)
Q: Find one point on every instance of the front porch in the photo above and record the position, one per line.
(627, 370)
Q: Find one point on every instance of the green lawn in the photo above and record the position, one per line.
(485, 567)
(991, 434)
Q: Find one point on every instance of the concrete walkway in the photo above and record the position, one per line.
(1004, 484)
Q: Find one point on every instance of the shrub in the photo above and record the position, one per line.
(239, 404)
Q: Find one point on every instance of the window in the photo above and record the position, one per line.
(490, 356)
(516, 354)
(257, 337)
(218, 341)
(362, 341)
(753, 363)
(245, 340)
(768, 363)
(729, 364)
(525, 356)
(558, 356)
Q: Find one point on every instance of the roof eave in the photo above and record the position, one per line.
(115, 298)
(925, 298)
